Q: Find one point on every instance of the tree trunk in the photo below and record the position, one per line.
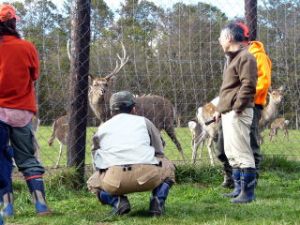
(80, 39)
(251, 17)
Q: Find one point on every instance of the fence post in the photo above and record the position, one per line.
(80, 39)
(251, 17)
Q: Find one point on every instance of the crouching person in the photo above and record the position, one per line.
(129, 158)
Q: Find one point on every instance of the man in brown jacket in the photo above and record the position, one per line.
(236, 108)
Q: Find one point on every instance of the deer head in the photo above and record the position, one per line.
(276, 95)
(100, 87)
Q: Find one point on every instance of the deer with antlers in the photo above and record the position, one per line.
(156, 108)
(279, 123)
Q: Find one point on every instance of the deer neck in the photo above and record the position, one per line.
(101, 107)
(270, 111)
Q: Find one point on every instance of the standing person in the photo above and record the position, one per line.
(264, 66)
(19, 65)
(236, 109)
(129, 158)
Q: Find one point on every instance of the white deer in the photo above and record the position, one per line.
(210, 131)
(201, 131)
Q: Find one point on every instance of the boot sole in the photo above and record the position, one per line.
(123, 210)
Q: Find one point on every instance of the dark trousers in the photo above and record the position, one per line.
(254, 142)
(21, 141)
(5, 156)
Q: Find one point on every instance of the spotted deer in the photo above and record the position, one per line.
(202, 132)
(210, 131)
(279, 123)
(60, 130)
(156, 108)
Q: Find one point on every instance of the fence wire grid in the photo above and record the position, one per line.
(173, 52)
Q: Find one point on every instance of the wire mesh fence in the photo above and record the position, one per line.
(173, 52)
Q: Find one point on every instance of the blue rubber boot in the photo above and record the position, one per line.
(37, 190)
(120, 204)
(6, 191)
(158, 198)
(7, 198)
(248, 183)
(236, 176)
(1, 220)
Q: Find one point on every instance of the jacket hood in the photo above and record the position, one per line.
(256, 46)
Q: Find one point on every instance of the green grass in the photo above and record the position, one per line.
(280, 146)
(195, 199)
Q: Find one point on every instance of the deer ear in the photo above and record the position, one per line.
(91, 78)
(281, 88)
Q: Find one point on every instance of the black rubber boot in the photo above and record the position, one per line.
(236, 175)
(248, 183)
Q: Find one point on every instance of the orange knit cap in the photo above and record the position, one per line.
(7, 12)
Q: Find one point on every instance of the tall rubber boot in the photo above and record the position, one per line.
(36, 187)
(6, 192)
(7, 198)
(120, 204)
(248, 183)
(158, 198)
(1, 220)
(236, 176)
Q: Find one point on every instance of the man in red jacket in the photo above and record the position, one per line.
(19, 65)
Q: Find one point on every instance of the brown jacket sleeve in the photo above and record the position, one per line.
(156, 140)
(248, 78)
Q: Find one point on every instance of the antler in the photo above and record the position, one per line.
(118, 67)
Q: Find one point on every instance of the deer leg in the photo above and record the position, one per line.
(286, 133)
(171, 133)
(271, 134)
(194, 153)
(59, 155)
(200, 142)
(209, 145)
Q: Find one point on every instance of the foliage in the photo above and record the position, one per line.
(173, 52)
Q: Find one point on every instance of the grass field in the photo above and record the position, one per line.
(280, 146)
(195, 199)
